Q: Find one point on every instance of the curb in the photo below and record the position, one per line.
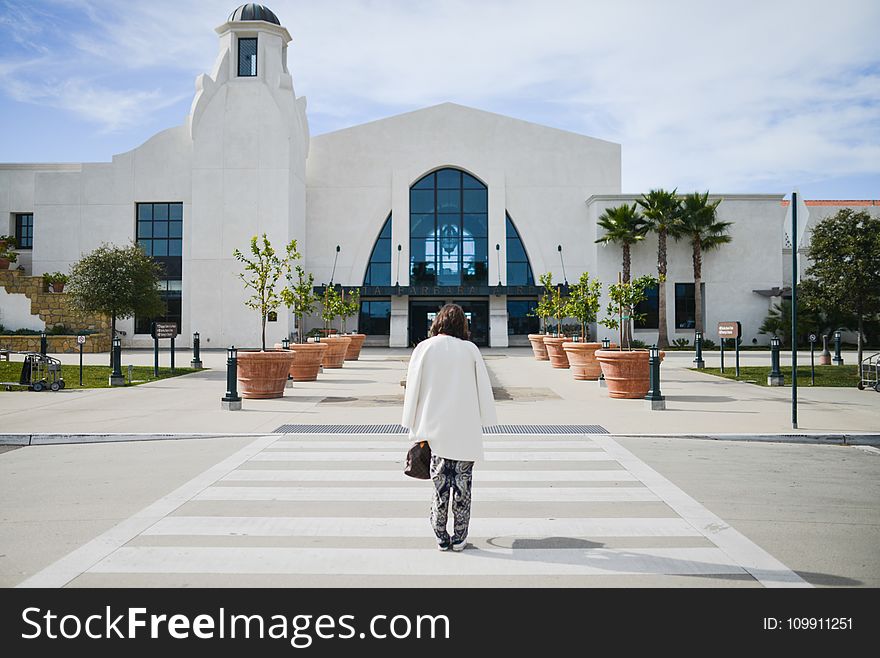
(60, 439)
(817, 439)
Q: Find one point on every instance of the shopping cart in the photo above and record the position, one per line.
(38, 372)
(869, 373)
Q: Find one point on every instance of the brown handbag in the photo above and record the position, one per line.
(418, 461)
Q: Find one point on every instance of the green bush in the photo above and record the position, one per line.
(681, 342)
(638, 344)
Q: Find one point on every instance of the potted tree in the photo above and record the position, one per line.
(626, 370)
(7, 257)
(263, 373)
(55, 281)
(583, 305)
(337, 346)
(6, 241)
(543, 311)
(350, 308)
(299, 296)
(557, 308)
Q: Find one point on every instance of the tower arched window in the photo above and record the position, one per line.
(449, 230)
(519, 270)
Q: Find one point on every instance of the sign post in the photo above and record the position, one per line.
(161, 331)
(730, 330)
(81, 340)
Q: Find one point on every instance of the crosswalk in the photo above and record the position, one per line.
(316, 510)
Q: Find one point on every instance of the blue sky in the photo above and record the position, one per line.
(749, 96)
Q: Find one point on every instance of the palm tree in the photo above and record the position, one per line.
(661, 209)
(624, 226)
(699, 222)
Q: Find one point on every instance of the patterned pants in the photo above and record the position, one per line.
(451, 477)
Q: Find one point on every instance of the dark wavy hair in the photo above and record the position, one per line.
(451, 321)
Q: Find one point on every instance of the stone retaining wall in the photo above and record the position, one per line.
(53, 309)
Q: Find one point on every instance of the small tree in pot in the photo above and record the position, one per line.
(626, 371)
(351, 307)
(558, 307)
(542, 311)
(583, 305)
(332, 307)
(299, 296)
(264, 374)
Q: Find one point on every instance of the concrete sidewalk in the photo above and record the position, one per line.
(369, 391)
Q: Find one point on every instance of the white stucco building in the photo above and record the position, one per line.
(446, 203)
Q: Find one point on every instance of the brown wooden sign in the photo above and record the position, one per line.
(165, 330)
(729, 329)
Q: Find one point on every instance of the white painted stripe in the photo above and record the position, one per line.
(407, 494)
(62, 571)
(404, 444)
(268, 526)
(352, 456)
(418, 562)
(769, 571)
(396, 475)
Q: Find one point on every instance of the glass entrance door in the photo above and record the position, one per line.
(477, 313)
(421, 315)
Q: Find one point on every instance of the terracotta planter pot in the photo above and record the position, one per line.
(582, 359)
(263, 375)
(626, 373)
(4, 264)
(307, 363)
(337, 346)
(354, 347)
(558, 358)
(57, 287)
(538, 347)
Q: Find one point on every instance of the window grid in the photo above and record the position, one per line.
(379, 267)
(160, 234)
(685, 316)
(375, 317)
(519, 270)
(651, 308)
(449, 230)
(24, 231)
(247, 57)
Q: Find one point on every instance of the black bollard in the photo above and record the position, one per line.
(231, 401)
(116, 378)
(197, 357)
(838, 359)
(698, 349)
(44, 343)
(776, 378)
(654, 396)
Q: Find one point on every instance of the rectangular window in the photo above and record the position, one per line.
(24, 231)
(650, 308)
(375, 318)
(247, 57)
(159, 229)
(520, 318)
(685, 317)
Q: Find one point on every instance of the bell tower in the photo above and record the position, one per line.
(250, 141)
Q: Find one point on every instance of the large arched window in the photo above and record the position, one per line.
(379, 268)
(519, 271)
(449, 230)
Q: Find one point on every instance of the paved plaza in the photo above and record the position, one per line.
(246, 506)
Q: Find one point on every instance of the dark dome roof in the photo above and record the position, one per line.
(254, 12)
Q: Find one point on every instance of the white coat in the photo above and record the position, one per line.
(448, 397)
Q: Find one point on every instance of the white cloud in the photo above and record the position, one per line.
(701, 94)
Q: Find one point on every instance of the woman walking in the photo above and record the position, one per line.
(448, 401)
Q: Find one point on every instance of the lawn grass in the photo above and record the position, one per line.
(841, 376)
(93, 376)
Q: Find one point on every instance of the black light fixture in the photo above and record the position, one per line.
(606, 343)
(285, 342)
(397, 280)
(565, 278)
(333, 273)
(231, 353)
(498, 253)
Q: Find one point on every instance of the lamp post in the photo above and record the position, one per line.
(838, 359)
(231, 401)
(776, 377)
(397, 280)
(116, 378)
(565, 278)
(654, 396)
(698, 349)
(197, 357)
